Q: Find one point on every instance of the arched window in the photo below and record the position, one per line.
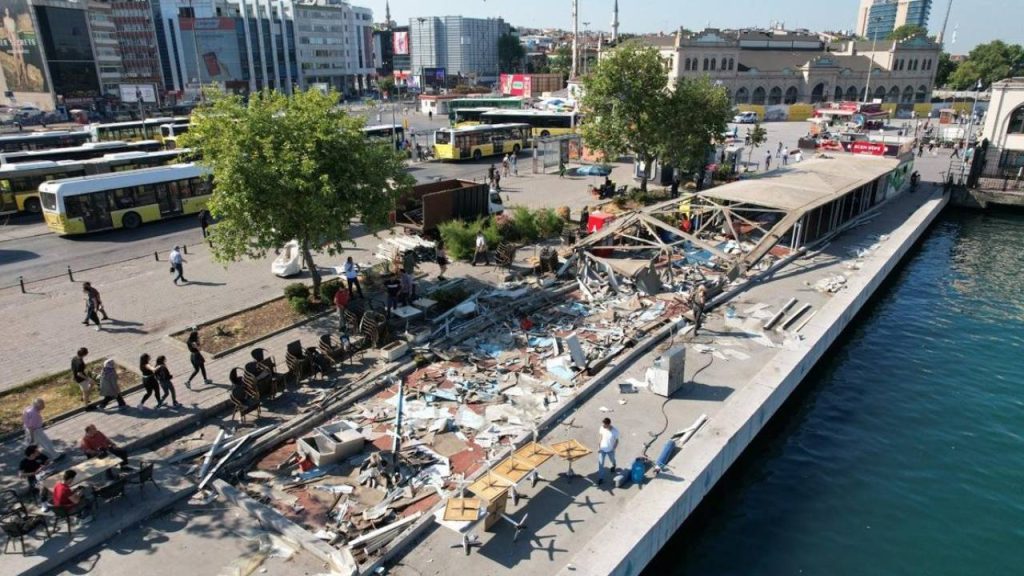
(775, 96)
(851, 94)
(818, 93)
(879, 93)
(913, 64)
(758, 97)
(742, 96)
(686, 64)
(731, 63)
(839, 94)
(908, 95)
(705, 64)
(791, 95)
(894, 95)
(1016, 125)
(922, 94)
(713, 64)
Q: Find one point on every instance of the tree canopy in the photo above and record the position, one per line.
(697, 113)
(944, 69)
(511, 54)
(291, 167)
(907, 31)
(625, 102)
(988, 63)
(560, 61)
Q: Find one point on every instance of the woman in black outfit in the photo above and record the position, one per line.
(196, 357)
(148, 381)
(163, 377)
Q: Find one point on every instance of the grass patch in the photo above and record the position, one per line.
(243, 327)
(60, 392)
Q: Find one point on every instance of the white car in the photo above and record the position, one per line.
(745, 118)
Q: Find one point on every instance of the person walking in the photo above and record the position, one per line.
(204, 222)
(177, 265)
(698, 300)
(90, 310)
(515, 163)
(481, 249)
(490, 174)
(609, 440)
(32, 421)
(430, 115)
(506, 165)
(109, 388)
(497, 181)
(352, 277)
(442, 260)
(85, 382)
(785, 156)
(768, 160)
(779, 149)
(392, 286)
(341, 299)
(149, 383)
(195, 356)
(93, 293)
(561, 168)
(163, 378)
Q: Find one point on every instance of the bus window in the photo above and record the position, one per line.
(442, 137)
(49, 200)
(145, 195)
(123, 198)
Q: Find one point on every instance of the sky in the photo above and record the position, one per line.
(976, 21)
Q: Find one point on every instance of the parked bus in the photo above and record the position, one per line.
(19, 183)
(42, 140)
(83, 152)
(509, 103)
(544, 123)
(124, 199)
(386, 132)
(478, 141)
(169, 134)
(468, 116)
(135, 130)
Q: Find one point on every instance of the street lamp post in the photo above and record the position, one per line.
(871, 67)
(142, 111)
(195, 50)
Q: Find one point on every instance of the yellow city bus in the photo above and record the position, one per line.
(19, 182)
(544, 123)
(124, 199)
(42, 140)
(478, 141)
(468, 116)
(83, 152)
(135, 130)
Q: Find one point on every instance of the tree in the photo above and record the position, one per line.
(989, 63)
(511, 54)
(755, 137)
(624, 101)
(291, 167)
(698, 112)
(907, 31)
(387, 86)
(944, 69)
(560, 61)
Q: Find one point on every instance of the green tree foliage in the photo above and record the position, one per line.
(291, 167)
(560, 61)
(907, 31)
(511, 54)
(989, 63)
(755, 137)
(387, 86)
(944, 69)
(697, 113)
(624, 101)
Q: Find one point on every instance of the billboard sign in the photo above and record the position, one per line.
(871, 148)
(517, 85)
(434, 77)
(220, 59)
(400, 43)
(21, 58)
(130, 93)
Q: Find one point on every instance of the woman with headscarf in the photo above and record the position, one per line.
(109, 388)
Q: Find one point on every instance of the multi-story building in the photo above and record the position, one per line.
(106, 47)
(136, 35)
(393, 53)
(67, 49)
(457, 46)
(334, 41)
(1004, 131)
(876, 19)
(778, 67)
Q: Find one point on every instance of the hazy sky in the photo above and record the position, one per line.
(977, 21)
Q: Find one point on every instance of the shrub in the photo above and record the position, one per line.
(449, 297)
(549, 223)
(563, 213)
(524, 225)
(724, 172)
(458, 238)
(299, 304)
(329, 289)
(296, 290)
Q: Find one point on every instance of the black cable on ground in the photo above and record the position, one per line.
(654, 437)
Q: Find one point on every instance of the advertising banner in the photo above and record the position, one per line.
(21, 59)
(871, 148)
(220, 59)
(400, 43)
(517, 85)
(131, 92)
(434, 77)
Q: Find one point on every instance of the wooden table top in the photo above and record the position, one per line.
(513, 468)
(462, 509)
(570, 449)
(86, 471)
(490, 486)
(535, 453)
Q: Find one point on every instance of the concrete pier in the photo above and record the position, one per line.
(737, 374)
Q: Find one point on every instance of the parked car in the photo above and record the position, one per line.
(28, 111)
(745, 118)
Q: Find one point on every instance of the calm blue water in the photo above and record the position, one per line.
(903, 453)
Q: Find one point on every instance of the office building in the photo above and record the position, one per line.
(334, 41)
(67, 50)
(876, 19)
(452, 46)
(106, 47)
(393, 54)
(136, 36)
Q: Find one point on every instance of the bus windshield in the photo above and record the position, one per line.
(443, 137)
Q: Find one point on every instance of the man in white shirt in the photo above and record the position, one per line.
(177, 260)
(609, 441)
(352, 278)
(481, 249)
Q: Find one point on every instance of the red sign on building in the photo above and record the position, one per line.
(517, 85)
(872, 148)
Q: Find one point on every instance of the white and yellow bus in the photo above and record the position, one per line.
(19, 182)
(478, 141)
(124, 199)
(136, 130)
(468, 116)
(42, 140)
(83, 152)
(544, 123)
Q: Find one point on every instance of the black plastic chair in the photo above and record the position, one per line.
(67, 514)
(111, 491)
(145, 474)
(16, 526)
